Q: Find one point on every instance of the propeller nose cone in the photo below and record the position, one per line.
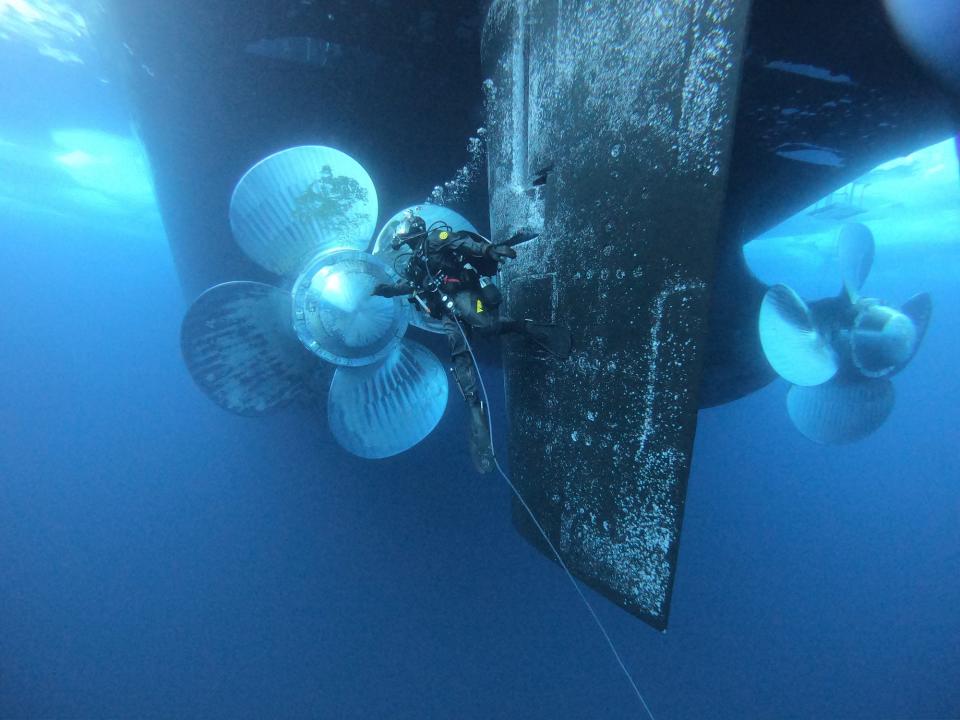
(335, 315)
(883, 339)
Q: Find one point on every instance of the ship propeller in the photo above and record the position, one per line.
(308, 214)
(839, 353)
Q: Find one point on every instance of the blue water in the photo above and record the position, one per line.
(162, 558)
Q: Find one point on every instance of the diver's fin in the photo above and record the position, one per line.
(840, 411)
(855, 248)
(481, 444)
(555, 339)
(238, 343)
(919, 308)
(383, 409)
(790, 340)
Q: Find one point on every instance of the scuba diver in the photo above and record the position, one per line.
(447, 274)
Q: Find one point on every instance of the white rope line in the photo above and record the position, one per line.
(543, 533)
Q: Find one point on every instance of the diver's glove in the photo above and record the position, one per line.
(499, 252)
(389, 290)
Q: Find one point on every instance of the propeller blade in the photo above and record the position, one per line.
(337, 317)
(238, 343)
(376, 411)
(855, 248)
(300, 202)
(791, 342)
(841, 411)
(381, 248)
(919, 308)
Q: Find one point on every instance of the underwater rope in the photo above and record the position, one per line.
(543, 533)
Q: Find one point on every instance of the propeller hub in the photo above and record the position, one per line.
(335, 315)
(882, 339)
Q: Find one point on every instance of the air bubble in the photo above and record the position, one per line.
(456, 189)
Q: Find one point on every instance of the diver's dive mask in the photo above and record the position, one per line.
(410, 229)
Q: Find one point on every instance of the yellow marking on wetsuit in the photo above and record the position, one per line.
(444, 234)
(479, 305)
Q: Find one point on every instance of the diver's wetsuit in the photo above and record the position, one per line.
(444, 272)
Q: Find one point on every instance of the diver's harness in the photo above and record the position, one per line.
(432, 284)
